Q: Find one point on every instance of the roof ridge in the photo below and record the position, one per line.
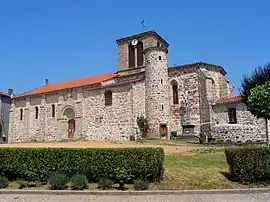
(69, 84)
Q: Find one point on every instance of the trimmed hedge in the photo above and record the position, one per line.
(36, 164)
(249, 164)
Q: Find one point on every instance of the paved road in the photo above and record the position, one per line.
(170, 198)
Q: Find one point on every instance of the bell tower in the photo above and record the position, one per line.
(131, 55)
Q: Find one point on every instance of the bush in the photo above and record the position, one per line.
(22, 184)
(141, 185)
(173, 134)
(249, 164)
(122, 176)
(3, 182)
(79, 182)
(58, 181)
(105, 184)
(35, 164)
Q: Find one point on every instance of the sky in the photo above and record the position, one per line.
(70, 39)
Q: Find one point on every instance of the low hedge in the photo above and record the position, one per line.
(249, 164)
(36, 164)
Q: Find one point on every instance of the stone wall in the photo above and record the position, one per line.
(190, 81)
(248, 127)
(93, 120)
(156, 90)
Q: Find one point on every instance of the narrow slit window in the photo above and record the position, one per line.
(53, 110)
(21, 114)
(36, 112)
(159, 57)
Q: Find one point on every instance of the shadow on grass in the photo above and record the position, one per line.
(229, 176)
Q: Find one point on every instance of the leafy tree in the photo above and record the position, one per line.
(259, 77)
(259, 103)
(143, 126)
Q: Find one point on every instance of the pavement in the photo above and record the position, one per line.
(257, 197)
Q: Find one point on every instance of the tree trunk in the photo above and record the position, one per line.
(266, 132)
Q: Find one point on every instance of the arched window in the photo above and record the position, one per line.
(36, 112)
(175, 92)
(108, 98)
(131, 56)
(140, 53)
(53, 110)
(21, 114)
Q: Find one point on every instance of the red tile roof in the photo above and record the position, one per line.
(229, 100)
(4, 94)
(69, 84)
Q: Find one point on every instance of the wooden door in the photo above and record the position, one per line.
(163, 130)
(71, 128)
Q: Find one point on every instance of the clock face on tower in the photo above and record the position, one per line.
(134, 42)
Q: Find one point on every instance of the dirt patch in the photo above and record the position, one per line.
(90, 144)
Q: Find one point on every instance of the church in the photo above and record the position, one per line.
(181, 99)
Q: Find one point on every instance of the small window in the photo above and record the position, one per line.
(161, 81)
(21, 114)
(158, 44)
(53, 110)
(36, 112)
(232, 115)
(108, 98)
(162, 107)
(159, 57)
(175, 93)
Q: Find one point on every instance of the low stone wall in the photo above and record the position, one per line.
(238, 133)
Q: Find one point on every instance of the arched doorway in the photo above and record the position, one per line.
(69, 115)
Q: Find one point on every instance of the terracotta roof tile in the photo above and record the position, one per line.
(4, 94)
(69, 84)
(229, 100)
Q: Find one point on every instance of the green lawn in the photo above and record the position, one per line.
(201, 169)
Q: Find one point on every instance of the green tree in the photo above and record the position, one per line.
(260, 76)
(143, 126)
(259, 103)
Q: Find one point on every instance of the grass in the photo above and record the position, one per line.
(201, 169)
(169, 143)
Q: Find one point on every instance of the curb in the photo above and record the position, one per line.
(136, 193)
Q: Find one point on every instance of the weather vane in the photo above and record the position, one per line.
(143, 25)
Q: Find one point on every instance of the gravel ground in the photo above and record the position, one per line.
(96, 144)
(169, 198)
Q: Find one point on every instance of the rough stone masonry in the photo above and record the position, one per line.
(105, 107)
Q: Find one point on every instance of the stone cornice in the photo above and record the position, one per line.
(155, 49)
(141, 36)
(198, 65)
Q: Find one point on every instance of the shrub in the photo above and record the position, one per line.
(3, 182)
(143, 126)
(173, 134)
(105, 184)
(58, 181)
(141, 185)
(22, 184)
(249, 164)
(35, 164)
(122, 176)
(79, 182)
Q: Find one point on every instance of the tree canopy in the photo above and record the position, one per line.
(259, 101)
(259, 76)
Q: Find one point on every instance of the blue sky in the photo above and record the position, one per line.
(69, 39)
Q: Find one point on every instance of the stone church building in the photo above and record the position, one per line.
(105, 107)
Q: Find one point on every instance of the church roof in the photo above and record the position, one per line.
(69, 84)
(4, 94)
(234, 99)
